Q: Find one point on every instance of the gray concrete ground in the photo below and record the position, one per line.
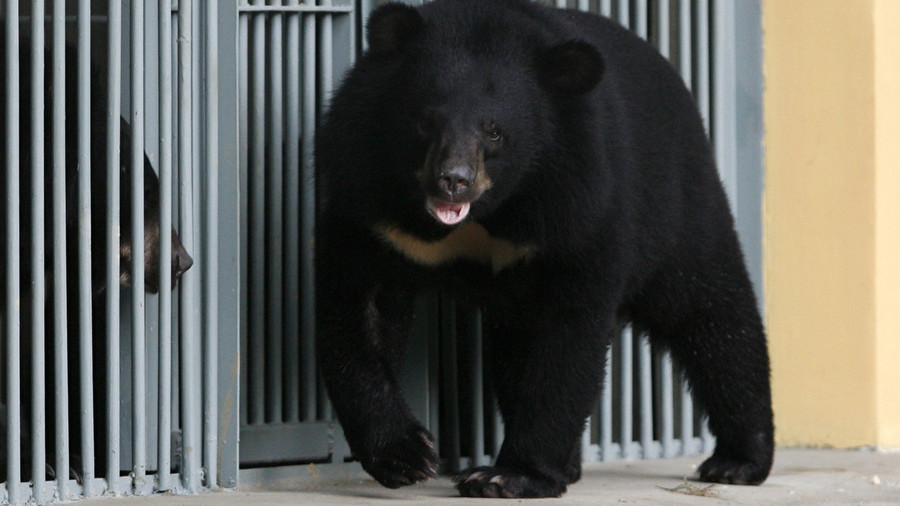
(819, 477)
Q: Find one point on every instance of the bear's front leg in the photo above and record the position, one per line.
(362, 327)
(548, 372)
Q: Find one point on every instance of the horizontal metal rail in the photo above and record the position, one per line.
(287, 9)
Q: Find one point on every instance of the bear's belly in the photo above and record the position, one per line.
(470, 241)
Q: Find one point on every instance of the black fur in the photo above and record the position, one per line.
(587, 165)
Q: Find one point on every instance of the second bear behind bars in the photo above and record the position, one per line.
(180, 259)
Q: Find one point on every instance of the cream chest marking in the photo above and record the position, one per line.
(470, 241)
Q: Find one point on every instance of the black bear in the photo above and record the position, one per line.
(552, 167)
(180, 259)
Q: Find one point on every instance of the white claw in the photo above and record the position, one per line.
(475, 477)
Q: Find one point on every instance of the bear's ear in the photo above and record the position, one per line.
(573, 67)
(392, 26)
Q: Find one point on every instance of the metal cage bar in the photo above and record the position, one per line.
(189, 350)
(244, 162)
(60, 277)
(210, 244)
(113, 218)
(138, 313)
(13, 261)
(258, 176)
(85, 301)
(292, 283)
(39, 288)
(273, 77)
(164, 441)
(313, 403)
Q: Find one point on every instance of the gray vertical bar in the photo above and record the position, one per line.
(498, 427)
(586, 455)
(325, 60)
(244, 167)
(307, 221)
(687, 421)
(365, 7)
(326, 36)
(706, 437)
(85, 310)
(138, 317)
(642, 19)
(606, 7)
(151, 304)
(645, 366)
(724, 123)
(13, 292)
(606, 410)
(431, 313)
(667, 408)
(188, 336)
(685, 49)
(475, 329)
(292, 220)
(60, 318)
(750, 134)
(227, 279)
(583, 5)
(701, 57)
(39, 288)
(113, 216)
(274, 230)
(561, 4)
(665, 32)
(625, 13)
(257, 234)
(164, 440)
(626, 375)
(211, 244)
(451, 388)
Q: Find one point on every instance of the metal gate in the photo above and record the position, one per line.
(107, 388)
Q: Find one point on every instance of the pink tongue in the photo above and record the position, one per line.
(451, 214)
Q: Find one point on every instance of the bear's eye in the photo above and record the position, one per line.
(493, 133)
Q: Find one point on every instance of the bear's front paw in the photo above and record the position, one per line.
(404, 460)
(726, 469)
(498, 482)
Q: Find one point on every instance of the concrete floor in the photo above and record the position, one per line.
(819, 477)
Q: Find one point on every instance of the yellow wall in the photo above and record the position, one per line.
(831, 219)
(887, 185)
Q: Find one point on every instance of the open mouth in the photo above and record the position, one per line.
(448, 213)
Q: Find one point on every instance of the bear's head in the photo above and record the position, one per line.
(474, 99)
(180, 259)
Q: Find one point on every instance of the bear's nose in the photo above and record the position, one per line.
(456, 180)
(181, 262)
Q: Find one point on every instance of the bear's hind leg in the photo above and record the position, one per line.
(713, 329)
